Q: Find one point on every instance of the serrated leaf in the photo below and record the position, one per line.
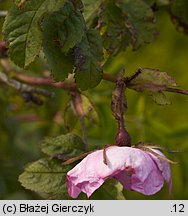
(151, 80)
(88, 54)
(160, 98)
(45, 176)
(70, 26)
(114, 33)
(61, 32)
(68, 145)
(140, 21)
(22, 28)
(60, 64)
(179, 15)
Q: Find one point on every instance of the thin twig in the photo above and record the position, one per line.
(49, 81)
(84, 131)
(72, 160)
(109, 77)
(175, 90)
(158, 147)
(72, 86)
(157, 155)
(22, 87)
(78, 105)
(32, 80)
(44, 81)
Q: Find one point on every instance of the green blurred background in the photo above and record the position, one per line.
(24, 125)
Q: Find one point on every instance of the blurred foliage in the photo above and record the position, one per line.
(23, 125)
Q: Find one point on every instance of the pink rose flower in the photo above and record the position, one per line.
(135, 169)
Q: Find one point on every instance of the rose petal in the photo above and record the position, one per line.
(164, 167)
(134, 168)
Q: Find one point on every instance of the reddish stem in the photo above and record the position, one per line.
(44, 81)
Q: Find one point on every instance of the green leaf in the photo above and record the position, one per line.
(160, 98)
(157, 2)
(78, 4)
(151, 80)
(88, 54)
(115, 35)
(163, 2)
(60, 64)
(110, 190)
(91, 8)
(89, 110)
(22, 28)
(68, 145)
(150, 2)
(61, 32)
(45, 176)
(179, 15)
(140, 21)
(70, 26)
(70, 117)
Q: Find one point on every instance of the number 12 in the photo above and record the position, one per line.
(178, 208)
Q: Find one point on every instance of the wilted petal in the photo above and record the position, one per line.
(164, 167)
(134, 168)
(73, 190)
(141, 174)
